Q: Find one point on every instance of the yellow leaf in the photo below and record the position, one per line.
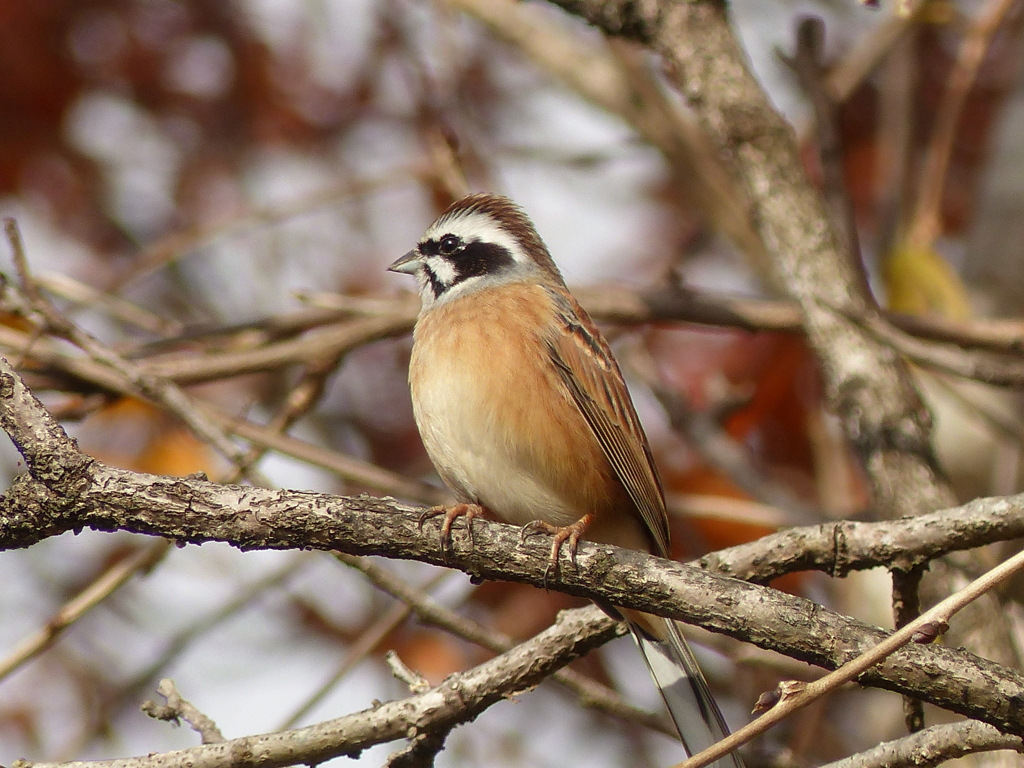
(919, 281)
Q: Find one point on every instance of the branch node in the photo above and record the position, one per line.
(417, 683)
(177, 709)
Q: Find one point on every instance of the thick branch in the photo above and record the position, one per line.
(844, 546)
(191, 510)
(252, 518)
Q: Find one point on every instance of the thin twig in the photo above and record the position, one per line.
(349, 468)
(976, 365)
(368, 640)
(864, 55)
(111, 580)
(383, 318)
(925, 224)
(179, 643)
(121, 309)
(300, 399)
(894, 138)
(809, 66)
(180, 244)
(906, 605)
(156, 388)
(332, 340)
(729, 456)
(937, 616)
(178, 708)
(590, 693)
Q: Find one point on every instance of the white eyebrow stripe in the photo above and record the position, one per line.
(476, 226)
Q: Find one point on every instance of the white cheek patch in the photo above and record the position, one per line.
(442, 268)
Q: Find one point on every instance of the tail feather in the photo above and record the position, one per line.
(685, 691)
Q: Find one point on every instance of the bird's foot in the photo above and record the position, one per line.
(567, 535)
(468, 511)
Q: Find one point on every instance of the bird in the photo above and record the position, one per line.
(524, 413)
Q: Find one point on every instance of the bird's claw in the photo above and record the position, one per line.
(569, 533)
(468, 511)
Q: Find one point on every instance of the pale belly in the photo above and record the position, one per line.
(499, 428)
(481, 457)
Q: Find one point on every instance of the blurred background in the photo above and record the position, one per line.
(196, 180)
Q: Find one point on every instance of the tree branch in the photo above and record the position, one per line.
(868, 386)
(932, 746)
(195, 511)
(844, 546)
(459, 699)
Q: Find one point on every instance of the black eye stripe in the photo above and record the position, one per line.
(446, 245)
(475, 258)
(479, 258)
(430, 248)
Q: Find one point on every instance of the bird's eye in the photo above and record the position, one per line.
(450, 244)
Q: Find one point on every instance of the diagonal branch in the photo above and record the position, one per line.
(868, 386)
(459, 699)
(924, 628)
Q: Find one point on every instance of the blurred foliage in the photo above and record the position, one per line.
(204, 159)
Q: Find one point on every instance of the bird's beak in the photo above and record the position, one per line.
(408, 263)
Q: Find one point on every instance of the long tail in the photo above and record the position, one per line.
(684, 689)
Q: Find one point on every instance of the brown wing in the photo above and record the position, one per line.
(586, 366)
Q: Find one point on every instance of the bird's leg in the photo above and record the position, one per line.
(571, 533)
(468, 511)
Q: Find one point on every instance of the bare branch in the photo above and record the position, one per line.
(922, 627)
(178, 708)
(980, 366)
(334, 332)
(113, 578)
(180, 244)
(459, 699)
(590, 692)
(249, 518)
(837, 548)
(809, 66)
(925, 225)
(152, 386)
(368, 640)
(933, 746)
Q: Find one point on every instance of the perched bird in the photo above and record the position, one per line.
(524, 413)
